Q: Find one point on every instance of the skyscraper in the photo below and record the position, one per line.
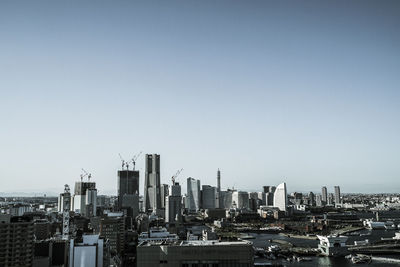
(218, 181)
(193, 194)
(173, 203)
(324, 195)
(164, 193)
(128, 192)
(152, 191)
(280, 197)
(80, 199)
(337, 195)
(240, 199)
(209, 197)
(311, 199)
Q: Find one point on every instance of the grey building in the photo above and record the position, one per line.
(16, 241)
(240, 199)
(324, 195)
(225, 199)
(337, 195)
(318, 200)
(195, 253)
(173, 204)
(128, 192)
(164, 193)
(311, 199)
(85, 198)
(152, 190)
(218, 181)
(209, 197)
(193, 194)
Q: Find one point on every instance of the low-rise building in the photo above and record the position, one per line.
(195, 253)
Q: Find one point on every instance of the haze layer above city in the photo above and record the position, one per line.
(268, 92)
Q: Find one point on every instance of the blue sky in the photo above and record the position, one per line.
(305, 92)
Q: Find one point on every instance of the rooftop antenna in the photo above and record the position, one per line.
(122, 160)
(135, 158)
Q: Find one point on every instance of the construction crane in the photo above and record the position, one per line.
(122, 160)
(135, 158)
(89, 175)
(175, 176)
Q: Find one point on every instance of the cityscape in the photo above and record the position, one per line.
(187, 133)
(207, 226)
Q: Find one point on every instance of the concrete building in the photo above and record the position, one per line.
(280, 197)
(88, 251)
(324, 195)
(195, 253)
(225, 199)
(209, 197)
(193, 194)
(331, 199)
(254, 202)
(311, 199)
(240, 200)
(318, 200)
(113, 230)
(79, 200)
(337, 195)
(152, 186)
(164, 193)
(173, 204)
(16, 241)
(218, 181)
(128, 192)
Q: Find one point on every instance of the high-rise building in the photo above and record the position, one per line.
(311, 199)
(280, 197)
(128, 192)
(269, 189)
(193, 194)
(254, 202)
(79, 201)
(269, 199)
(318, 200)
(209, 197)
(16, 241)
(164, 193)
(337, 195)
(113, 229)
(218, 181)
(152, 190)
(324, 195)
(240, 199)
(173, 204)
(225, 199)
(331, 199)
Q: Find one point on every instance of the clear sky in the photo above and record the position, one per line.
(305, 92)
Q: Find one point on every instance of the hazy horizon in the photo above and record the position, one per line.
(305, 92)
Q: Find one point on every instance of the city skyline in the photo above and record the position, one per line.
(269, 92)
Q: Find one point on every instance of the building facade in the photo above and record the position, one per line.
(280, 197)
(152, 186)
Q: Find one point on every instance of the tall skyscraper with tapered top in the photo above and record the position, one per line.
(218, 181)
(152, 191)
